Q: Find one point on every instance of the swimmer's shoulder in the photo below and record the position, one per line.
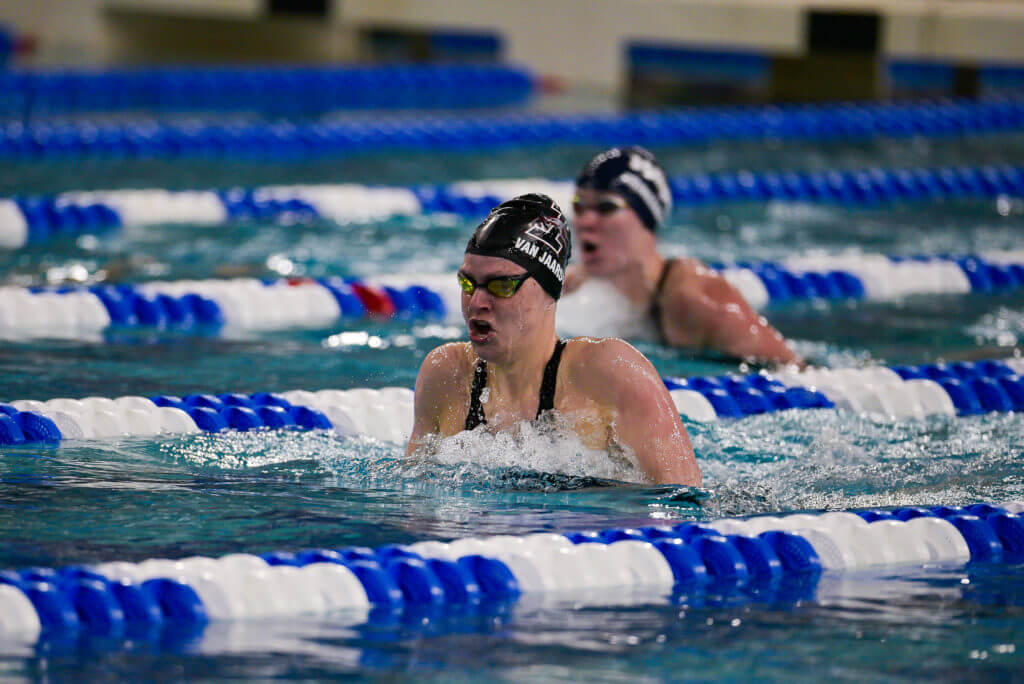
(441, 398)
(691, 281)
(445, 368)
(687, 273)
(696, 273)
(587, 349)
(597, 362)
(615, 376)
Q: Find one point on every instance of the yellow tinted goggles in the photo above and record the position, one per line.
(604, 206)
(502, 286)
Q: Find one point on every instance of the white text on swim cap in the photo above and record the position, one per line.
(533, 251)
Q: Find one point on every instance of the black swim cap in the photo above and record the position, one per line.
(634, 173)
(531, 231)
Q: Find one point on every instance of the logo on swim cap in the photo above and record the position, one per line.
(548, 231)
(633, 173)
(529, 230)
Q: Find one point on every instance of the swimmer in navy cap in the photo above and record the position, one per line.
(622, 198)
(515, 368)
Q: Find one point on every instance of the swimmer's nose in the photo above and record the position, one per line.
(586, 222)
(480, 300)
(585, 219)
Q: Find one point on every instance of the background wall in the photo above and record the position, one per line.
(85, 32)
(585, 43)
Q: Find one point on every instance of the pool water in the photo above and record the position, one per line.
(208, 494)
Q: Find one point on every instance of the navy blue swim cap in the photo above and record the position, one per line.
(635, 174)
(529, 230)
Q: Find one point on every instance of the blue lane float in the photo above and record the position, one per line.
(273, 90)
(380, 413)
(876, 277)
(854, 121)
(751, 558)
(901, 392)
(207, 306)
(904, 392)
(32, 220)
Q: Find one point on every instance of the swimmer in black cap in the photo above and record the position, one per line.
(515, 369)
(622, 196)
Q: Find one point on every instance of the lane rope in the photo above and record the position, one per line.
(36, 219)
(900, 392)
(301, 141)
(755, 559)
(280, 90)
(206, 306)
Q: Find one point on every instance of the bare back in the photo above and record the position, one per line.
(699, 309)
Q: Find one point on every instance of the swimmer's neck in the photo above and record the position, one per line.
(637, 280)
(520, 377)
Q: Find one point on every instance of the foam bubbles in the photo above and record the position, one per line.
(829, 460)
(531, 446)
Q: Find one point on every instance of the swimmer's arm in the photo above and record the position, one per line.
(712, 307)
(429, 397)
(646, 419)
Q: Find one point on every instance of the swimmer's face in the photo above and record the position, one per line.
(499, 325)
(609, 234)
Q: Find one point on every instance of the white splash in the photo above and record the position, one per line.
(597, 308)
(534, 447)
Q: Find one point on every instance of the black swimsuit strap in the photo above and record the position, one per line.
(547, 384)
(476, 409)
(476, 415)
(655, 308)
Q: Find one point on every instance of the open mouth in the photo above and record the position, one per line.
(478, 329)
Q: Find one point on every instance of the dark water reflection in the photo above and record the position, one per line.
(943, 624)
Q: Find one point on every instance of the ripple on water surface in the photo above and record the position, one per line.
(209, 493)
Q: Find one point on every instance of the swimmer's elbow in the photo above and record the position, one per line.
(675, 452)
(690, 474)
(683, 472)
(419, 446)
(681, 466)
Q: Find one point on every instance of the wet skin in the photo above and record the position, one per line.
(700, 309)
(606, 392)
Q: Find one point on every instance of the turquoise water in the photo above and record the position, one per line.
(214, 494)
